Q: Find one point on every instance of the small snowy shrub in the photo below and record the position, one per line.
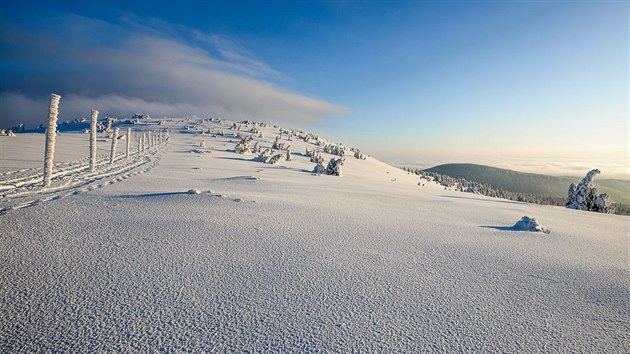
(529, 224)
(265, 156)
(288, 154)
(583, 196)
(359, 155)
(108, 124)
(277, 144)
(244, 146)
(334, 167)
(274, 160)
(334, 150)
(319, 168)
(315, 156)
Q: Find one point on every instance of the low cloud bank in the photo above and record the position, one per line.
(153, 68)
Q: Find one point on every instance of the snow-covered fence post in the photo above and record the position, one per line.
(93, 140)
(150, 141)
(51, 135)
(139, 138)
(112, 155)
(128, 142)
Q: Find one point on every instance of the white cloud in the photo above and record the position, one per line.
(120, 69)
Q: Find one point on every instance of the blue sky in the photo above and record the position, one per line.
(532, 85)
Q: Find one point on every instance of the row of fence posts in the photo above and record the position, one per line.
(145, 140)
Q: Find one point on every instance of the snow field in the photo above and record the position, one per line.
(275, 258)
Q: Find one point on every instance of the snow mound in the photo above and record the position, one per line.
(194, 191)
(530, 224)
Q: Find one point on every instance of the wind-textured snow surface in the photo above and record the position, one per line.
(276, 258)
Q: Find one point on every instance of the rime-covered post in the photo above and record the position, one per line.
(128, 141)
(139, 137)
(51, 135)
(93, 140)
(150, 141)
(112, 155)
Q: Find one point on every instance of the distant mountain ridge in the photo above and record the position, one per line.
(521, 182)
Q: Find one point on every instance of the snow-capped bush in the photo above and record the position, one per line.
(315, 156)
(244, 146)
(583, 196)
(530, 224)
(265, 156)
(334, 150)
(319, 168)
(358, 154)
(140, 116)
(334, 167)
(274, 160)
(108, 124)
(288, 154)
(277, 144)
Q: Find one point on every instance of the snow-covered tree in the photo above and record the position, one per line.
(244, 146)
(319, 168)
(584, 196)
(334, 167)
(274, 160)
(315, 156)
(277, 144)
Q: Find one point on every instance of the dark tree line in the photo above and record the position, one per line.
(463, 185)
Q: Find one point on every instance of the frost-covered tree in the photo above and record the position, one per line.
(319, 168)
(51, 136)
(288, 154)
(584, 196)
(244, 146)
(334, 167)
(277, 144)
(358, 154)
(315, 156)
(274, 160)
(108, 124)
(265, 155)
(335, 150)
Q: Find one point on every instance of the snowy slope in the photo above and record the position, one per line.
(275, 258)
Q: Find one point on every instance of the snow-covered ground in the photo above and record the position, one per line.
(276, 258)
